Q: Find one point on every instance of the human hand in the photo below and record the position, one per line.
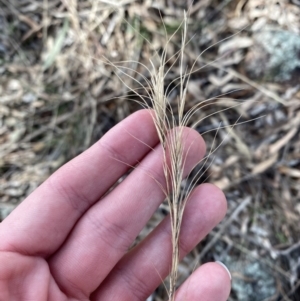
(69, 239)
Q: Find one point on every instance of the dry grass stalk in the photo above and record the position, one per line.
(169, 125)
(173, 148)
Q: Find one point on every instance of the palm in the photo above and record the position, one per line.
(69, 240)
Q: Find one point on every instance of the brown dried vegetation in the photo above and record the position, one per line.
(58, 95)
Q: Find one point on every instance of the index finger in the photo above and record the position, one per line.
(40, 224)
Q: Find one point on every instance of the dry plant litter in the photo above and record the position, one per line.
(53, 76)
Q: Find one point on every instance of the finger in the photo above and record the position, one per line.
(43, 221)
(26, 278)
(108, 229)
(142, 270)
(211, 282)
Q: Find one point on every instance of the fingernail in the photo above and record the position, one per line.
(225, 267)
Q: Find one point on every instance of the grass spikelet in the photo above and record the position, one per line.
(173, 147)
(169, 126)
(170, 120)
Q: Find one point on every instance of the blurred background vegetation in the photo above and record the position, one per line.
(58, 96)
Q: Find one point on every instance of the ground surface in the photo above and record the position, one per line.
(58, 96)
